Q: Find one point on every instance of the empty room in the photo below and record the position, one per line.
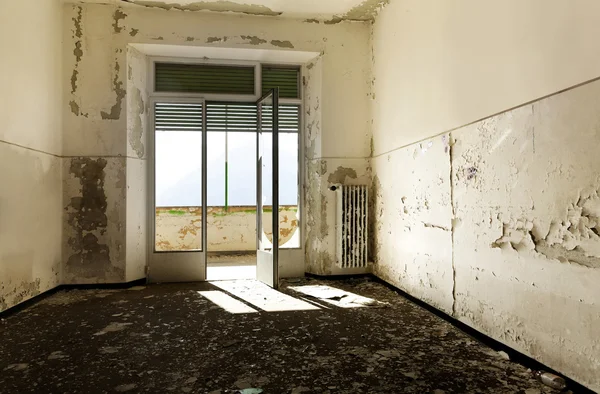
(300, 196)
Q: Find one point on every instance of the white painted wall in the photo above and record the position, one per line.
(440, 64)
(466, 227)
(30, 145)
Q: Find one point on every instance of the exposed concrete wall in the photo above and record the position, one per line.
(234, 230)
(30, 148)
(100, 99)
(493, 222)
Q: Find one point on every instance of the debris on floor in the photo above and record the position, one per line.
(172, 338)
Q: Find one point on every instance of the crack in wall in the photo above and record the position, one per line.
(440, 227)
(449, 143)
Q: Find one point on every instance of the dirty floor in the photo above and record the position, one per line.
(353, 336)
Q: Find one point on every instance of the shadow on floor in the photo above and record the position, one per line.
(237, 336)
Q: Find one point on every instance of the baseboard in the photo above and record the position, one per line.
(339, 276)
(91, 286)
(515, 355)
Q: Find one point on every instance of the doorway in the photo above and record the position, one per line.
(224, 199)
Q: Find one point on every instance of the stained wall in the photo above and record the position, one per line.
(492, 221)
(100, 67)
(30, 149)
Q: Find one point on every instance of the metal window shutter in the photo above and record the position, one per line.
(231, 117)
(287, 79)
(178, 117)
(289, 118)
(241, 117)
(201, 78)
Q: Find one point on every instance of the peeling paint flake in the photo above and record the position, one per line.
(214, 6)
(115, 111)
(118, 16)
(339, 176)
(365, 11)
(254, 40)
(282, 44)
(210, 40)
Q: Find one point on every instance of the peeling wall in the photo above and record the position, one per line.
(526, 249)
(412, 220)
(30, 148)
(492, 221)
(104, 115)
(137, 101)
(94, 233)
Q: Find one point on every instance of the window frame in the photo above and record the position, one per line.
(154, 96)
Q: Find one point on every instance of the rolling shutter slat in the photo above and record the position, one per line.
(201, 78)
(287, 79)
(178, 117)
(236, 117)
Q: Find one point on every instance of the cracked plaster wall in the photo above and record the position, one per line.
(30, 148)
(103, 108)
(503, 212)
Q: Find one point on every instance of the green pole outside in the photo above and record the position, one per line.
(226, 174)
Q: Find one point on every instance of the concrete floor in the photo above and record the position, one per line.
(359, 337)
(231, 266)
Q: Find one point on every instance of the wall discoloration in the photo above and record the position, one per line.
(86, 216)
(115, 111)
(282, 44)
(21, 292)
(340, 175)
(214, 6)
(367, 10)
(137, 131)
(77, 50)
(74, 107)
(74, 80)
(254, 40)
(211, 40)
(118, 16)
(134, 32)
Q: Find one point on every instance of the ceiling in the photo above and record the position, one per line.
(330, 11)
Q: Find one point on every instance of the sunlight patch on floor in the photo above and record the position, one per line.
(264, 297)
(227, 302)
(337, 297)
(230, 272)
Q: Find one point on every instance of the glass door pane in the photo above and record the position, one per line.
(267, 178)
(178, 175)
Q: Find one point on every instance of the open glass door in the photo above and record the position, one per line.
(267, 189)
(178, 204)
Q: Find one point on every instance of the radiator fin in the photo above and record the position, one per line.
(352, 224)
